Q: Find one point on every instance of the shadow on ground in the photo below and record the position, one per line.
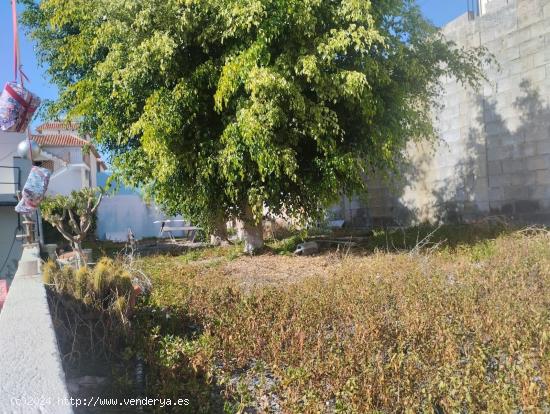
(150, 360)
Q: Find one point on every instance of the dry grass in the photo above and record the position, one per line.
(90, 307)
(462, 329)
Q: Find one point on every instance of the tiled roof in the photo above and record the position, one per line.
(59, 125)
(59, 140)
(65, 140)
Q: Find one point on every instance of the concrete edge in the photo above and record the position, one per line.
(32, 379)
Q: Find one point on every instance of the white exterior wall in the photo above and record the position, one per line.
(65, 181)
(118, 213)
(72, 154)
(8, 150)
(8, 144)
(47, 131)
(483, 6)
(73, 176)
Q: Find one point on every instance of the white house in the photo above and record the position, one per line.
(72, 159)
(75, 164)
(13, 173)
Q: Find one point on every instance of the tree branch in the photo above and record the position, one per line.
(72, 221)
(64, 233)
(97, 203)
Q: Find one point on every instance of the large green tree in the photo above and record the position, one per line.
(223, 108)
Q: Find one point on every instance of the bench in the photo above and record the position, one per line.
(168, 226)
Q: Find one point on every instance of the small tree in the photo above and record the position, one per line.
(73, 215)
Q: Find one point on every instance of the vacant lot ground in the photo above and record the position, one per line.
(461, 325)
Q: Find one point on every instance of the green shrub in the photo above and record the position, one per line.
(286, 246)
(81, 283)
(49, 272)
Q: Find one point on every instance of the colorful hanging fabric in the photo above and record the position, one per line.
(34, 190)
(17, 107)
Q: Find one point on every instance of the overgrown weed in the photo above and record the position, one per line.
(465, 328)
(91, 307)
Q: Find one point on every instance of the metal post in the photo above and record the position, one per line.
(28, 225)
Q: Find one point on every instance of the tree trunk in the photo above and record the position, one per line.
(80, 256)
(252, 232)
(219, 235)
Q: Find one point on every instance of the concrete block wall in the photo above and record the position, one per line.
(494, 151)
(513, 112)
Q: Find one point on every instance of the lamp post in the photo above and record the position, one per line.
(29, 149)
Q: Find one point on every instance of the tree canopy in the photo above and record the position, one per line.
(220, 108)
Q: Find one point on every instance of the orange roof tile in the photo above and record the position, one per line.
(59, 140)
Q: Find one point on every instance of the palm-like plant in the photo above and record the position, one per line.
(72, 215)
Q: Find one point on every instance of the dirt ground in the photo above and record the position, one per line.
(271, 269)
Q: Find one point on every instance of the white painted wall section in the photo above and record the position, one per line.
(118, 213)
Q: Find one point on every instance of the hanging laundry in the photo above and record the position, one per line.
(17, 107)
(34, 190)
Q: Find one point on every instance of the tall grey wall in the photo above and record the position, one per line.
(494, 153)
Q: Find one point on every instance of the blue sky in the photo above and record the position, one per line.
(438, 11)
